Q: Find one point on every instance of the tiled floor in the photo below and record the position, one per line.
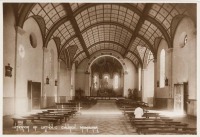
(104, 115)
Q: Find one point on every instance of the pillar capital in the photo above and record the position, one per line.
(45, 49)
(20, 30)
(87, 72)
(69, 69)
(144, 69)
(169, 50)
(125, 72)
(59, 59)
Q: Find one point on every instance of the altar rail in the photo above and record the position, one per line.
(104, 97)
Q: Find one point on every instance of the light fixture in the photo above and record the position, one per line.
(166, 81)
(185, 39)
(158, 83)
(56, 83)
(125, 72)
(87, 72)
(8, 72)
(47, 80)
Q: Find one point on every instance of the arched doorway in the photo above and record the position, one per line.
(107, 77)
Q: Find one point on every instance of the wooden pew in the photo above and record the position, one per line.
(25, 119)
(165, 132)
(65, 112)
(68, 105)
(66, 116)
(158, 123)
(40, 116)
(154, 122)
(150, 114)
(140, 128)
(150, 119)
(145, 115)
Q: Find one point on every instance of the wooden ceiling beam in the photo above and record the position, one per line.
(138, 27)
(76, 28)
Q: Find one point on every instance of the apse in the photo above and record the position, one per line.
(107, 77)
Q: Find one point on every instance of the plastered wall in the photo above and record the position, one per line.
(8, 57)
(185, 60)
(30, 64)
(164, 91)
(130, 79)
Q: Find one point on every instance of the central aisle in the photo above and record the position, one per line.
(103, 107)
(105, 115)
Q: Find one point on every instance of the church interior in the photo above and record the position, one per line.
(86, 68)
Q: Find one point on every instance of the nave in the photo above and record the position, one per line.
(86, 56)
(105, 117)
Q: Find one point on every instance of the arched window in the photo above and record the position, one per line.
(150, 57)
(116, 81)
(162, 68)
(51, 63)
(95, 81)
(139, 78)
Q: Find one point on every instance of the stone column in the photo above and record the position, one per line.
(170, 78)
(170, 72)
(155, 81)
(58, 80)
(125, 86)
(16, 67)
(72, 92)
(87, 85)
(43, 95)
(68, 85)
(144, 96)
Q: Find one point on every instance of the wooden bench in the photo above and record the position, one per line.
(40, 116)
(140, 128)
(151, 120)
(165, 132)
(158, 123)
(65, 112)
(69, 105)
(66, 116)
(149, 114)
(130, 113)
(25, 119)
(154, 122)
(62, 110)
(16, 121)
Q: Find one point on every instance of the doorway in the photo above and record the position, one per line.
(186, 95)
(179, 98)
(34, 94)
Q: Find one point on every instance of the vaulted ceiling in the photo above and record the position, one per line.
(82, 29)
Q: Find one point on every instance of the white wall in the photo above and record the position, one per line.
(9, 43)
(64, 83)
(184, 60)
(49, 93)
(130, 79)
(148, 85)
(82, 79)
(164, 91)
(29, 66)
